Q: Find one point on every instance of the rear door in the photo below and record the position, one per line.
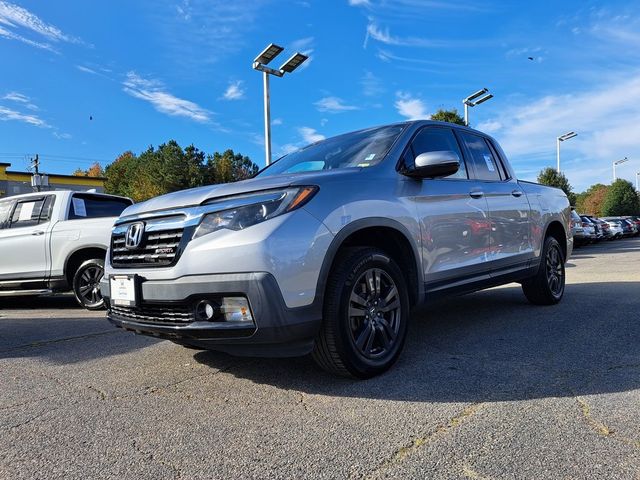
(23, 240)
(453, 216)
(509, 210)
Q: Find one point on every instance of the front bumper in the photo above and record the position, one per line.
(278, 330)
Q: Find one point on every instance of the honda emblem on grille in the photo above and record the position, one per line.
(133, 238)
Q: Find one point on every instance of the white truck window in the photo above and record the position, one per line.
(5, 210)
(96, 206)
(27, 214)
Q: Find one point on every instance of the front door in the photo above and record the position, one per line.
(23, 240)
(453, 216)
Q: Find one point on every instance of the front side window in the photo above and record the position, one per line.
(484, 163)
(5, 211)
(27, 213)
(432, 139)
(94, 206)
(353, 150)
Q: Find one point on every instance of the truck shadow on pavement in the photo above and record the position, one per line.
(57, 329)
(489, 346)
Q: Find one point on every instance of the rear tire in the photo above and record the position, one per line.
(547, 286)
(365, 315)
(86, 284)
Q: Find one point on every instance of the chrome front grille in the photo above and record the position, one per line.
(161, 315)
(157, 248)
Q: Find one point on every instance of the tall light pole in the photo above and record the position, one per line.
(260, 63)
(473, 100)
(618, 162)
(637, 175)
(562, 138)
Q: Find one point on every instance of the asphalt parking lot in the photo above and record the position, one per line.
(488, 387)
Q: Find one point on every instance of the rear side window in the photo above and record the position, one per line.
(5, 211)
(483, 160)
(432, 139)
(91, 206)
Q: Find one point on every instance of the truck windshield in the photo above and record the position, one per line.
(358, 149)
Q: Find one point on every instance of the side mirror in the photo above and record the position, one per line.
(435, 164)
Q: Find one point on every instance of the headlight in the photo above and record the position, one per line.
(256, 208)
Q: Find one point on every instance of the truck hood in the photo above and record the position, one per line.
(196, 196)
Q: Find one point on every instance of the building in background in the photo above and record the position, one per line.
(16, 183)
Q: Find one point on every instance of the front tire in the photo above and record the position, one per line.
(86, 284)
(547, 286)
(365, 316)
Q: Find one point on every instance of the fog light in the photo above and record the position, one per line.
(205, 310)
(236, 309)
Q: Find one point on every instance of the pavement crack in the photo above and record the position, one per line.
(600, 428)
(57, 340)
(33, 419)
(101, 393)
(403, 452)
(177, 472)
(469, 472)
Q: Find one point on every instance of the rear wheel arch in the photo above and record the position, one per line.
(557, 231)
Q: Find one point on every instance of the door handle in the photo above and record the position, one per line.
(516, 193)
(37, 233)
(476, 194)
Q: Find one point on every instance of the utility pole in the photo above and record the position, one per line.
(35, 164)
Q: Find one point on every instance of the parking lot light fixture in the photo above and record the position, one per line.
(260, 63)
(474, 99)
(615, 164)
(637, 175)
(559, 139)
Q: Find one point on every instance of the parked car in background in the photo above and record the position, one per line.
(56, 241)
(635, 223)
(615, 226)
(579, 236)
(589, 229)
(327, 249)
(602, 228)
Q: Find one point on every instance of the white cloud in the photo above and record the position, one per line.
(20, 98)
(276, 121)
(410, 107)
(371, 85)
(310, 135)
(7, 114)
(359, 3)
(62, 136)
(155, 93)
(84, 69)
(333, 105)
(18, 21)
(234, 91)
(602, 115)
(323, 121)
(383, 35)
(14, 36)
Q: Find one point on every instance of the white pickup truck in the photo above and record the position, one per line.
(56, 241)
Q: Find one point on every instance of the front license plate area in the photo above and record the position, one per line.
(123, 290)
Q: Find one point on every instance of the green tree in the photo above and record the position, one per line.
(169, 168)
(229, 167)
(621, 199)
(95, 170)
(450, 116)
(591, 201)
(120, 173)
(549, 176)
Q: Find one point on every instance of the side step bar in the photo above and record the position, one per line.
(24, 293)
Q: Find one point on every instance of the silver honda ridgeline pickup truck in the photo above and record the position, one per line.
(327, 250)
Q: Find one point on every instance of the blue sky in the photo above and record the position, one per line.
(149, 71)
